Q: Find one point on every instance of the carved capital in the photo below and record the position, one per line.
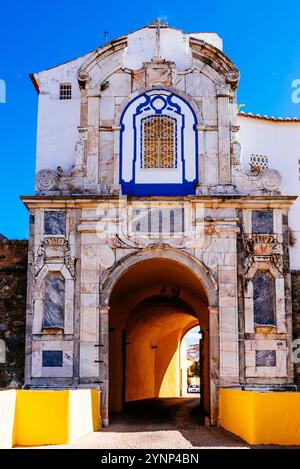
(223, 91)
(83, 78)
(262, 248)
(54, 249)
(233, 77)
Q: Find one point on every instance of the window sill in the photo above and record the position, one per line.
(52, 331)
(265, 329)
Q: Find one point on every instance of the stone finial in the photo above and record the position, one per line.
(157, 24)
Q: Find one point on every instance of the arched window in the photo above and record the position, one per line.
(54, 304)
(158, 142)
(158, 145)
(264, 298)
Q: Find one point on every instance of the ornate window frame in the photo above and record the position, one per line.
(280, 323)
(180, 180)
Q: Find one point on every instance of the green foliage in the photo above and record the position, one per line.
(104, 85)
(194, 369)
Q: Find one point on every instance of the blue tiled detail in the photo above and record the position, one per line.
(140, 190)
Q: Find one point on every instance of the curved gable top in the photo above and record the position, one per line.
(130, 51)
(186, 51)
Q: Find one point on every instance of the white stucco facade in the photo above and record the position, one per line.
(279, 140)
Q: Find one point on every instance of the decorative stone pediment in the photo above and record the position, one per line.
(159, 72)
(262, 248)
(54, 250)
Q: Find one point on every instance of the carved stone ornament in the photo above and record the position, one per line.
(233, 77)
(271, 180)
(262, 248)
(80, 147)
(47, 180)
(267, 180)
(83, 78)
(223, 90)
(235, 150)
(54, 249)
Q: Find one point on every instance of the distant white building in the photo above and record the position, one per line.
(148, 220)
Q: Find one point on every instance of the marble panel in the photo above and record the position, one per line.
(262, 221)
(54, 301)
(54, 222)
(265, 358)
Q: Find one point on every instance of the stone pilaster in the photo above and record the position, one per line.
(228, 305)
(214, 359)
(104, 363)
(89, 301)
(93, 120)
(116, 132)
(224, 134)
(201, 168)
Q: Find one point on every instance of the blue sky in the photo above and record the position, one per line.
(261, 37)
(193, 336)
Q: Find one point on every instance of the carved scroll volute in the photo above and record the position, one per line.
(83, 78)
(232, 77)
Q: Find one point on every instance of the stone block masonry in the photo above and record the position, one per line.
(13, 280)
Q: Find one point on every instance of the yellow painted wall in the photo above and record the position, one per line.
(261, 418)
(7, 416)
(153, 372)
(36, 418)
(167, 366)
(42, 417)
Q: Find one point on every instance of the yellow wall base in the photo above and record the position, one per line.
(36, 418)
(261, 418)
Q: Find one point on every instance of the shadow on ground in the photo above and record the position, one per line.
(182, 415)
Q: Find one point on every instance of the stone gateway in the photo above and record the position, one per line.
(146, 223)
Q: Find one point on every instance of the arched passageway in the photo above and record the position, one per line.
(152, 305)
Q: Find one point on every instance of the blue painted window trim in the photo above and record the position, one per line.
(142, 189)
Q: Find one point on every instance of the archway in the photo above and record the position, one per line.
(191, 358)
(154, 297)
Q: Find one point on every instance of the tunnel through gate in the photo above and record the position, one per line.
(152, 306)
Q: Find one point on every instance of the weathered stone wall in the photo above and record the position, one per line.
(13, 278)
(296, 315)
